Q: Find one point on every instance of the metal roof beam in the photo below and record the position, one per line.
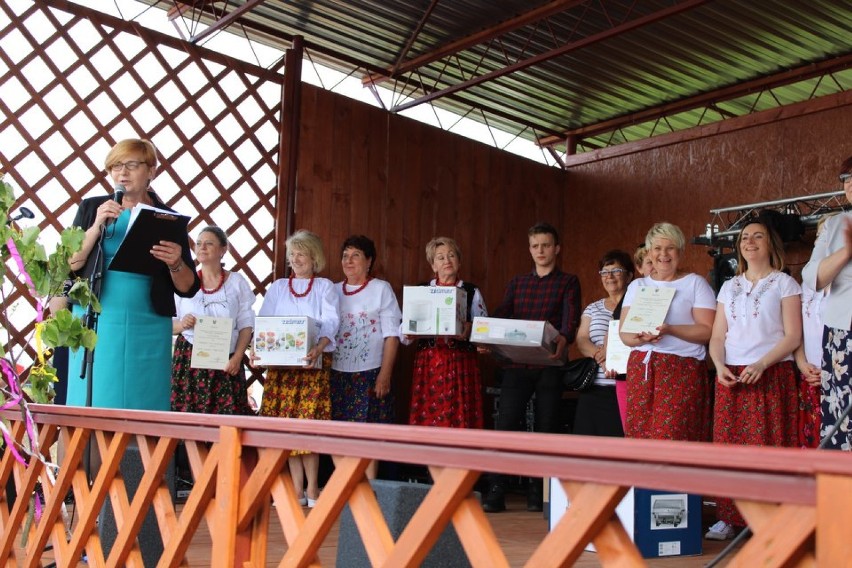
(714, 97)
(225, 20)
(554, 7)
(567, 48)
(414, 36)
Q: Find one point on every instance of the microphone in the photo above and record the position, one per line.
(117, 196)
(23, 213)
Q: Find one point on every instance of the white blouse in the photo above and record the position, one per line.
(234, 300)
(812, 325)
(321, 304)
(367, 318)
(691, 291)
(753, 312)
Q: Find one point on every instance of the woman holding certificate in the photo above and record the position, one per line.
(303, 392)
(597, 408)
(668, 392)
(367, 341)
(135, 324)
(224, 297)
(757, 328)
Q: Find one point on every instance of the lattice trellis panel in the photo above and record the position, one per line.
(74, 81)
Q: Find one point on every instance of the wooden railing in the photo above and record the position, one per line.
(794, 500)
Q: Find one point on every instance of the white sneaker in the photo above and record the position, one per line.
(720, 531)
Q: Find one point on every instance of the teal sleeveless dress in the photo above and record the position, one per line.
(134, 350)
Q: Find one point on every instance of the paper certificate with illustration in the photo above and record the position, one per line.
(616, 351)
(211, 343)
(649, 309)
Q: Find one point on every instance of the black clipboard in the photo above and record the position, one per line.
(149, 227)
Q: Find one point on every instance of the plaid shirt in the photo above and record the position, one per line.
(554, 297)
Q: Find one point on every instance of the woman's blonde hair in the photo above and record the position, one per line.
(306, 241)
(433, 245)
(639, 255)
(132, 147)
(668, 231)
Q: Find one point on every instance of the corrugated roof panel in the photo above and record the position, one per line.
(707, 47)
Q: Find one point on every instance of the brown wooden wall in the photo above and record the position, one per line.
(613, 202)
(401, 182)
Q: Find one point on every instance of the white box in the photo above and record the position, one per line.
(521, 341)
(284, 341)
(433, 310)
(661, 523)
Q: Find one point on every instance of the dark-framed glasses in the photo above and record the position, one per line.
(845, 177)
(612, 272)
(130, 165)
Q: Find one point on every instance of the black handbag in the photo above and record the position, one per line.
(579, 374)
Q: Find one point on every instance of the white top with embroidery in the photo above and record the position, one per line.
(691, 291)
(755, 324)
(233, 300)
(812, 325)
(320, 304)
(367, 318)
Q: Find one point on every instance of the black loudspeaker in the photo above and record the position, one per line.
(398, 501)
(788, 226)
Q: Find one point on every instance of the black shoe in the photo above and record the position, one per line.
(495, 500)
(535, 501)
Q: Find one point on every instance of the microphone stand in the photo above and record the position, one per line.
(90, 320)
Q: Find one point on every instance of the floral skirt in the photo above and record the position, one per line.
(760, 414)
(204, 390)
(836, 387)
(353, 398)
(668, 398)
(809, 414)
(447, 388)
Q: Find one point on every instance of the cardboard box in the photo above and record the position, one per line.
(661, 523)
(433, 310)
(284, 341)
(520, 341)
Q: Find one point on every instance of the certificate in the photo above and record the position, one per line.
(211, 345)
(616, 351)
(649, 309)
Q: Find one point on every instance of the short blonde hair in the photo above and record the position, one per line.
(132, 147)
(639, 255)
(668, 231)
(306, 241)
(433, 245)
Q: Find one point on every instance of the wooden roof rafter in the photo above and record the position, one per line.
(618, 28)
(709, 100)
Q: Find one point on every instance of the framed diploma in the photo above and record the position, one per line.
(211, 343)
(616, 351)
(649, 309)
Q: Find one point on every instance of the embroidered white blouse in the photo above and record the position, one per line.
(234, 300)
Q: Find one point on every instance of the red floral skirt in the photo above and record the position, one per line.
(667, 399)
(447, 388)
(759, 414)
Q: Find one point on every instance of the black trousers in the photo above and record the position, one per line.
(516, 389)
(597, 413)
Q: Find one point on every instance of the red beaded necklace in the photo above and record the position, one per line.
(353, 292)
(217, 288)
(439, 283)
(303, 294)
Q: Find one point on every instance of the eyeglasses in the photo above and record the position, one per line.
(845, 177)
(613, 272)
(131, 165)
